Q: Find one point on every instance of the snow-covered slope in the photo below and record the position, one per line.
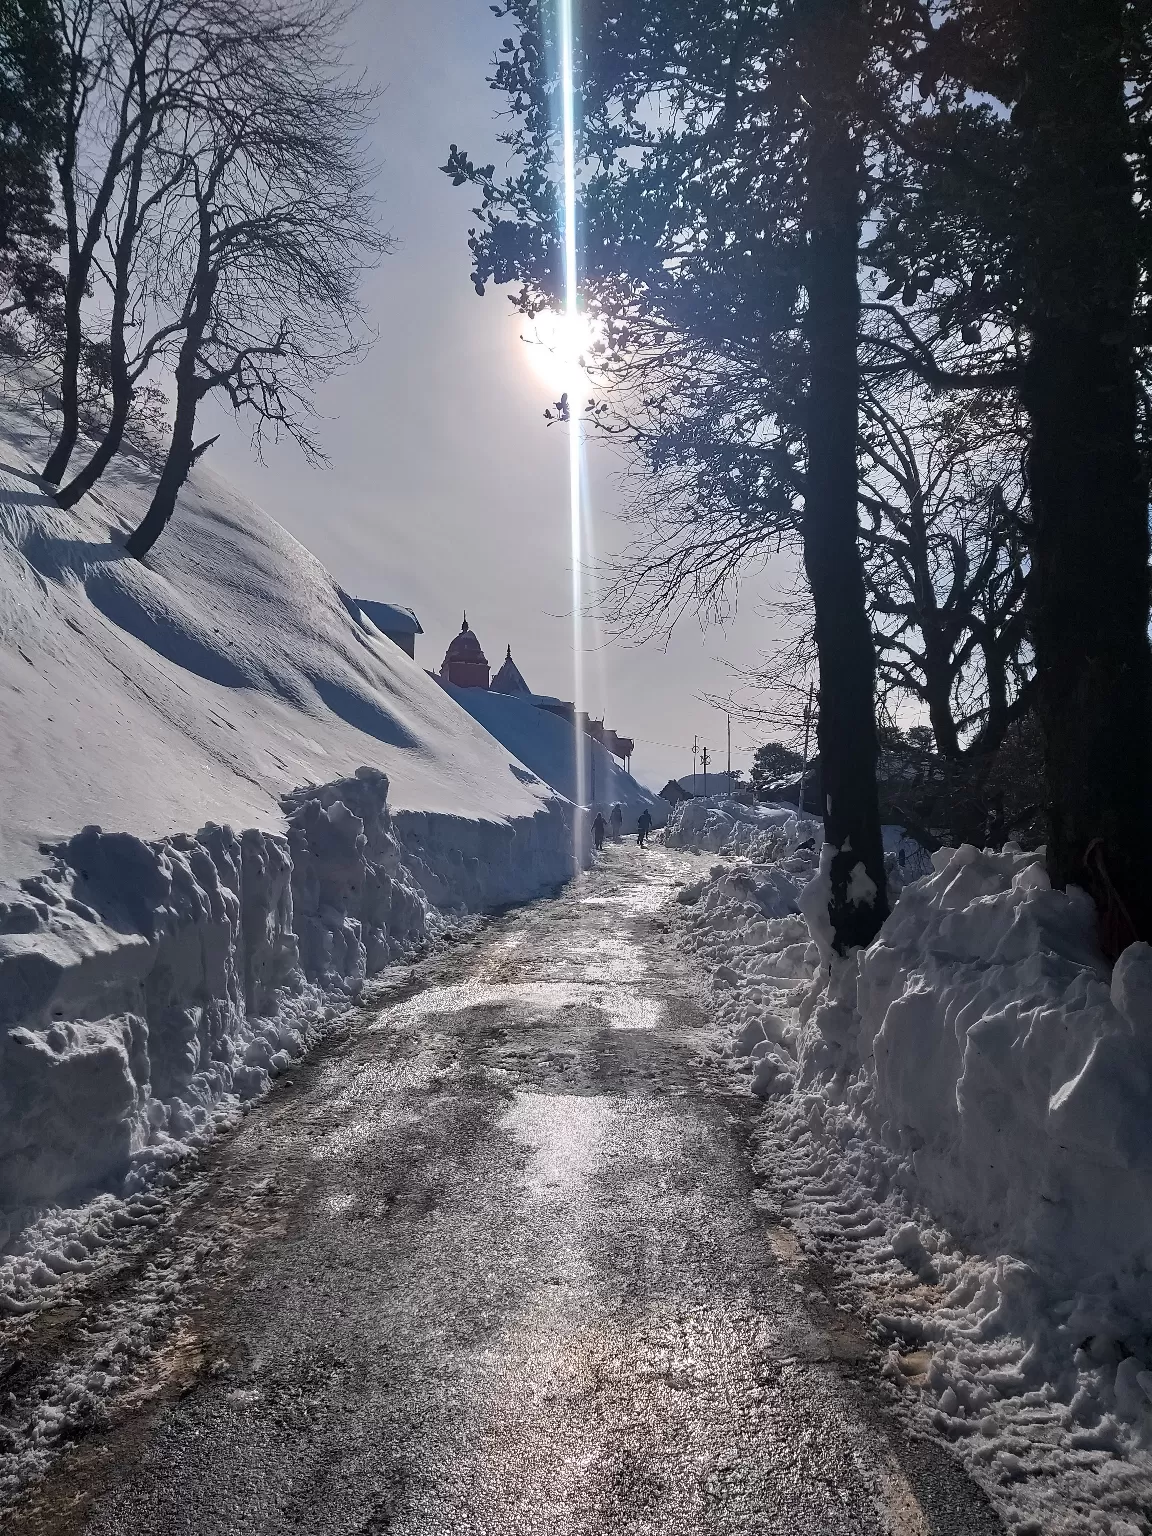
(544, 742)
(205, 684)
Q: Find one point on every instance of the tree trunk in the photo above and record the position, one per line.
(938, 687)
(846, 732)
(122, 388)
(69, 383)
(100, 460)
(1089, 581)
(181, 457)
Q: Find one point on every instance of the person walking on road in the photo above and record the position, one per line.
(643, 827)
(617, 821)
(599, 827)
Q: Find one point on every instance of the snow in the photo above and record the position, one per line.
(389, 618)
(958, 1115)
(225, 802)
(205, 684)
(545, 743)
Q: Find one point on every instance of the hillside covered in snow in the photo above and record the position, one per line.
(204, 684)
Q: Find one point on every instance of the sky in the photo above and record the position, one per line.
(446, 489)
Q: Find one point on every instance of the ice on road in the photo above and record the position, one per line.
(495, 1266)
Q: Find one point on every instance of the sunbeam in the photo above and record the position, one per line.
(573, 389)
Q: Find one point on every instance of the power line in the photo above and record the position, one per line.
(679, 746)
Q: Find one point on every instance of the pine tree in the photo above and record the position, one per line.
(31, 124)
(1026, 238)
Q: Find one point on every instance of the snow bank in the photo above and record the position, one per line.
(144, 986)
(960, 1115)
(760, 833)
(1011, 1072)
(763, 833)
(545, 743)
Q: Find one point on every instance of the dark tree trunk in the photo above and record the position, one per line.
(938, 689)
(122, 387)
(190, 390)
(181, 456)
(100, 460)
(936, 630)
(846, 731)
(69, 383)
(1090, 583)
(999, 710)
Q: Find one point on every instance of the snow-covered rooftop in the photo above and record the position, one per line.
(389, 618)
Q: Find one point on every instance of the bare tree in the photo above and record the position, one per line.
(943, 531)
(122, 74)
(145, 77)
(267, 240)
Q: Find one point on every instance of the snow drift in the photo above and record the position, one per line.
(226, 672)
(960, 1113)
(759, 833)
(153, 977)
(1011, 1073)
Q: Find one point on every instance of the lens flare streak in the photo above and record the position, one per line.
(575, 432)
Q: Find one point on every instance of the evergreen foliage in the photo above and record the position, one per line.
(31, 124)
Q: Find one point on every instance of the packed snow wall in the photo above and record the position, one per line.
(147, 985)
(958, 1116)
(981, 1040)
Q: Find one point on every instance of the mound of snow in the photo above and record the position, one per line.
(1010, 1071)
(545, 743)
(960, 1115)
(760, 833)
(763, 833)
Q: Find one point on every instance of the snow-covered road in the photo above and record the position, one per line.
(491, 1262)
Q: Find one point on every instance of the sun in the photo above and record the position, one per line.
(556, 345)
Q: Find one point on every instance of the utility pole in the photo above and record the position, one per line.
(705, 770)
(592, 759)
(695, 754)
(729, 718)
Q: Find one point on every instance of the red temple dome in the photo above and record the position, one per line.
(465, 664)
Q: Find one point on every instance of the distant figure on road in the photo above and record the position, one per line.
(643, 826)
(599, 827)
(617, 820)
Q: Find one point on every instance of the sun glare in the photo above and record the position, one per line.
(557, 345)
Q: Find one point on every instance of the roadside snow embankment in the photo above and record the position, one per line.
(759, 833)
(147, 989)
(960, 1115)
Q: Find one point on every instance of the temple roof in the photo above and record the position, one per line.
(509, 678)
(465, 647)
